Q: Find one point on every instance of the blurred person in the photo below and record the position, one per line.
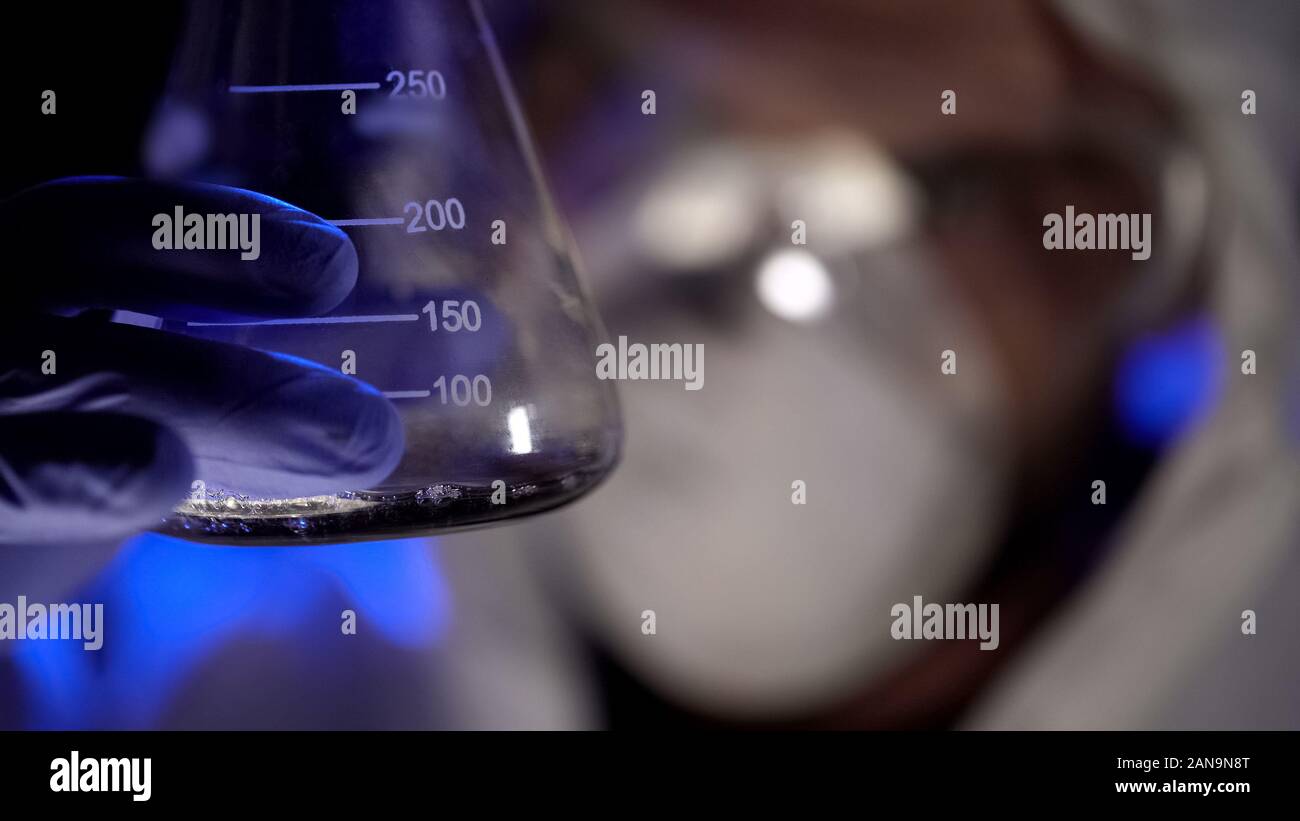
(975, 488)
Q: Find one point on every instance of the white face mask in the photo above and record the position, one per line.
(762, 604)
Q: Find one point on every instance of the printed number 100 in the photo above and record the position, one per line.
(464, 391)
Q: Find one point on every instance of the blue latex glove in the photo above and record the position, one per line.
(111, 441)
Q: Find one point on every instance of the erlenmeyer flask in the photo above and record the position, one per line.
(396, 122)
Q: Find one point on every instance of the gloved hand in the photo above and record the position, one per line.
(105, 438)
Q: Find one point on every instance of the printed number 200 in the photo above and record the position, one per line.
(435, 214)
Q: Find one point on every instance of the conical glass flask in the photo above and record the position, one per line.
(396, 122)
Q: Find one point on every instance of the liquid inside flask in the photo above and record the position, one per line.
(396, 122)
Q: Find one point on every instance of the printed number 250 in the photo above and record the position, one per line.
(415, 83)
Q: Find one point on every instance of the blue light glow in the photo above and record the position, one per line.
(1167, 382)
(170, 604)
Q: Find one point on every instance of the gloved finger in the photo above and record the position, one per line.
(257, 423)
(72, 477)
(96, 240)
